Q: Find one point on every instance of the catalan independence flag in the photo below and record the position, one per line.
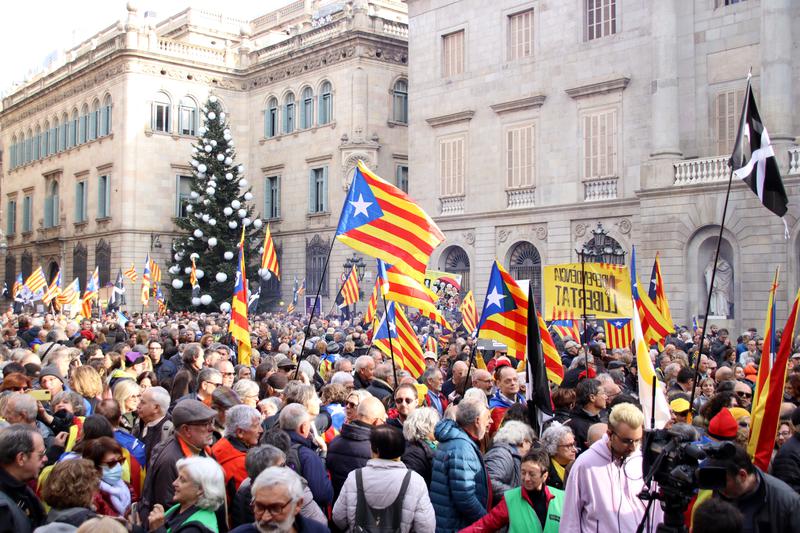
(17, 287)
(619, 333)
(402, 288)
(91, 294)
(71, 295)
(160, 301)
(269, 257)
(469, 313)
(505, 312)
(372, 305)
(656, 291)
(54, 290)
(36, 282)
(378, 219)
(131, 274)
(146, 281)
(407, 352)
(566, 329)
(655, 327)
(239, 328)
(348, 295)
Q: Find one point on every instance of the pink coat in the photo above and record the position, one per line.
(602, 495)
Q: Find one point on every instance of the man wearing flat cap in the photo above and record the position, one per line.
(193, 423)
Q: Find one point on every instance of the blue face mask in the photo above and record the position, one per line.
(112, 475)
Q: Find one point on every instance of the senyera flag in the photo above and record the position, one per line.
(269, 257)
(505, 312)
(656, 415)
(469, 313)
(378, 219)
(238, 327)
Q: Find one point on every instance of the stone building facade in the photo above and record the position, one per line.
(97, 148)
(536, 120)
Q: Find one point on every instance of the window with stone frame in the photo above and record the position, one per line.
(725, 111)
(452, 163)
(520, 156)
(11, 217)
(79, 264)
(183, 195)
(318, 190)
(105, 117)
(457, 262)
(160, 113)
(307, 109)
(81, 199)
(520, 35)
(11, 272)
(601, 18)
(26, 264)
(526, 263)
(288, 113)
(325, 103)
(272, 197)
(103, 196)
(599, 132)
(187, 116)
(316, 252)
(453, 54)
(102, 259)
(271, 118)
(401, 177)
(27, 213)
(51, 204)
(400, 102)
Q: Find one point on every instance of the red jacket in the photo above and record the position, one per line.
(230, 453)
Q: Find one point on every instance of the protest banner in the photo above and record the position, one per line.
(608, 291)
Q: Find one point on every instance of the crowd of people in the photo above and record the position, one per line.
(158, 426)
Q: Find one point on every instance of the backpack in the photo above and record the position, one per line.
(293, 458)
(371, 520)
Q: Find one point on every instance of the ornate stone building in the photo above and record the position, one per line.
(97, 148)
(538, 120)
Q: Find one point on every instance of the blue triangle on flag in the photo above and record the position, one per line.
(360, 207)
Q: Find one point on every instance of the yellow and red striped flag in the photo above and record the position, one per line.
(655, 327)
(18, 284)
(404, 342)
(505, 313)
(91, 294)
(348, 295)
(372, 306)
(657, 293)
(552, 359)
(53, 291)
(430, 344)
(131, 274)
(566, 329)
(269, 257)
(647, 378)
(619, 333)
(160, 301)
(765, 411)
(36, 282)
(469, 313)
(155, 276)
(399, 287)
(380, 220)
(71, 295)
(146, 281)
(239, 327)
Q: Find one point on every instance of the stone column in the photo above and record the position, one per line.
(359, 100)
(664, 129)
(775, 102)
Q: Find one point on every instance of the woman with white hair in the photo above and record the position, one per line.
(199, 491)
(559, 443)
(511, 442)
(247, 390)
(128, 395)
(420, 442)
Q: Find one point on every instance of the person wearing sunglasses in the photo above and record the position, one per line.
(114, 496)
(744, 394)
(406, 401)
(604, 482)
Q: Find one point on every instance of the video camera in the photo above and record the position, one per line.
(672, 459)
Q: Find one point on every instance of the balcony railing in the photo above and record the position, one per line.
(517, 198)
(794, 160)
(452, 205)
(595, 189)
(705, 170)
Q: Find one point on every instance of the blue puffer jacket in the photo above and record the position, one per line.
(459, 483)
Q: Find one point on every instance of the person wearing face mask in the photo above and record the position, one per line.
(114, 496)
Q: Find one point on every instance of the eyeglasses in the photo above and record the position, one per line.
(351, 404)
(112, 463)
(229, 373)
(273, 509)
(206, 423)
(405, 400)
(627, 442)
(784, 434)
(19, 389)
(570, 445)
(742, 394)
(214, 383)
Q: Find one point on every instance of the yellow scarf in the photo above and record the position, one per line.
(559, 470)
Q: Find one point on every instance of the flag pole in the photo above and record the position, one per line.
(316, 302)
(585, 342)
(471, 360)
(389, 336)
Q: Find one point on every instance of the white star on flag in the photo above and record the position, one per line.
(360, 206)
(392, 327)
(495, 297)
(618, 324)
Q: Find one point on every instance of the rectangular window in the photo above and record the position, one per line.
(161, 116)
(73, 136)
(600, 144)
(401, 177)
(183, 195)
(308, 112)
(452, 158)
(288, 117)
(272, 122)
(187, 120)
(324, 108)
(93, 125)
(601, 18)
(103, 197)
(453, 54)
(53, 140)
(27, 214)
(11, 217)
(520, 157)
(272, 197)
(520, 35)
(724, 120)
(62, 137)
(318, 190)
(80, 201)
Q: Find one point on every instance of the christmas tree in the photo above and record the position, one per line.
(217, 210)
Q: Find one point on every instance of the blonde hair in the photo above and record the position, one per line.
(104, 524)
(124, 390)
(626, 413)
(87, 382)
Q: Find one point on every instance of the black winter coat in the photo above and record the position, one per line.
(419, 458)
(348, 451)
(786, 465)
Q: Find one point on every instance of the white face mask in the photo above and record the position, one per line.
(112, 475)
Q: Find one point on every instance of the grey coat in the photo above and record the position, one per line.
(382, 480)
(503, 464)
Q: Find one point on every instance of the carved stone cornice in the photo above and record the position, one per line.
(529, 102)
(599, 87)
(452, 118)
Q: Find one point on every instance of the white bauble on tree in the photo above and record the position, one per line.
(242, 213)
(201, 167)
(174, 270)
(222, 115)
(205, 299)
(212, 116)
(202, 130)
(257, 223)
(220, 157)
(178, 257)
(212, 222)
(206, 201)
(243, 183)
(228, 161)
(227, 211)
(189, 208)
(236, 204)
(199, 273)
(205, 218)
(207, 148)
(198, 233)
(187, 270)
(224, 307)
(194, 194)
(228, 256)
(213, 143)
(194, 255)
(195, 301)
(212, 241)
(177, 284)
(240, 169)
(246, 222)
(221, 277)
(248, 195)
(210, 191)
(232, 224)
(228, 176)
(194, 162)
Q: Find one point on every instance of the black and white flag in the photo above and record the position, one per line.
(753, 160)
(117, 297)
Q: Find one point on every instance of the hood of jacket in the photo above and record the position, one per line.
(507, 448)
(448, 430)
(356, 431)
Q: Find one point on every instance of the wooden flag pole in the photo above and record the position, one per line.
(389, 336)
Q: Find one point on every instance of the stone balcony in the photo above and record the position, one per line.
(519, 198)
(715, 169)
(596, 189)
(451, 205)
(794, 160)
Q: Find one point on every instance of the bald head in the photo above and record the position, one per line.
(371, 411)
(596, 432)
(724, 373)
(459, 372)
(482, 379)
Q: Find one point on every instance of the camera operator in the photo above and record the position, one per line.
(767, 504)
(605, 481)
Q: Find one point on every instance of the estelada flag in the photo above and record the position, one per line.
(145, 297)
(655, 327)
(619, 333)
(239, 327)
(505, 312)
(348, 295)
(404, 344)
(566, 329)
(36, 282)
(269, 257)
(380, 220)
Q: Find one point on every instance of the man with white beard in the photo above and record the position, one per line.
(277, 499)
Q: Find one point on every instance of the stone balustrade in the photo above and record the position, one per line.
(518, 198)
(702, 170)
(596, 189)
(191, 51)
(451, 205)
(794, 160)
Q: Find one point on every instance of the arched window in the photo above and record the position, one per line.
(307, 111)
(526, 263)
(45, 151)
(54, 137)
(288, 113)
(400, 102)
(29, 147)
(102, 259)
(79, 264)
(187, 117)
(51, 205)
(63, 136)
(12, 153)
(457, 262)
(73, 130)
(160, 120)
(271, 118)
(11, 270)
(37, 143)
(83, 128)
(325, 103)
(105, 116)
(94, 119)
(316, 252)
(26, 264)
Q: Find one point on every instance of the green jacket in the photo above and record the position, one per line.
(522, 518)
(201, 517)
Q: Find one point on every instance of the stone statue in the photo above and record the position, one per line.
(722, 292)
